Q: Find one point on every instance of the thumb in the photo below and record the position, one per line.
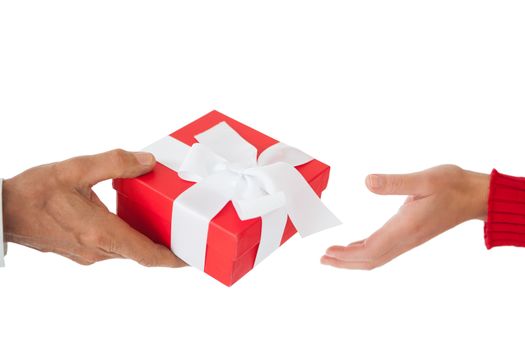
(109, 165)
(406, 184)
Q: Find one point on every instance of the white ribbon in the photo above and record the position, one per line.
(225, 168)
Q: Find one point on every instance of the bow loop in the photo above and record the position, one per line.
(281, 152)
(227, 143)
(200, 162)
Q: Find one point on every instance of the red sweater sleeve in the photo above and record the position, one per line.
(505, 223)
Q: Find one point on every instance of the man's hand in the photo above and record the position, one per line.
(52, 208)
(438, 199)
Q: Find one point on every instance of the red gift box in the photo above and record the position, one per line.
(146, 204)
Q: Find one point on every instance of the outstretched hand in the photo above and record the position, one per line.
(438, 199)
(52, 208)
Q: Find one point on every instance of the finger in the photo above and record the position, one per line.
(356, 243)
(375, 246)
(367, 264)
(83, 257)
(407, 229)
(129, 243)
(382, 246)
(342, 260)
(78, 259)
(109, 165)
(328, 260)
(89, 258)
(344, 253)
(409, 184)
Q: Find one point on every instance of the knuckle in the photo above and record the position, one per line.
(91, 257)
(64, 171)
(82, 261)
(93, 237)
(119, 157)
(148, 262)
(453, 169)
(445, 174)
(87, 263)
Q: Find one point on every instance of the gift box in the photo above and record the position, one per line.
(223, 196)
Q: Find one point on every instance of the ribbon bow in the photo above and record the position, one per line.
(225, 168)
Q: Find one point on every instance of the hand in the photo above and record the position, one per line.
(439, 199)
(52, 208)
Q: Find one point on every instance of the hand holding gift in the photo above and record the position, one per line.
(52, 208)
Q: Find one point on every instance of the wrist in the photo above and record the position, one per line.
(6, 205)
(479, 185)
(3, 246)
(3, 206)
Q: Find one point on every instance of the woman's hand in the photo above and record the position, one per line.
(438, 199)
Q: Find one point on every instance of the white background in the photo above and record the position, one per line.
(366, 86)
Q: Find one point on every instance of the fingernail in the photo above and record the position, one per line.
(329, 252)
(375, 181)
(145, 158)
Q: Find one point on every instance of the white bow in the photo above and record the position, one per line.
(225, 168)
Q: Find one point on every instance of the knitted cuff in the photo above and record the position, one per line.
(505, 225)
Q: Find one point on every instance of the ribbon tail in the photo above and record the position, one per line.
(307, 212)
(273, 225)
(192, 212)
